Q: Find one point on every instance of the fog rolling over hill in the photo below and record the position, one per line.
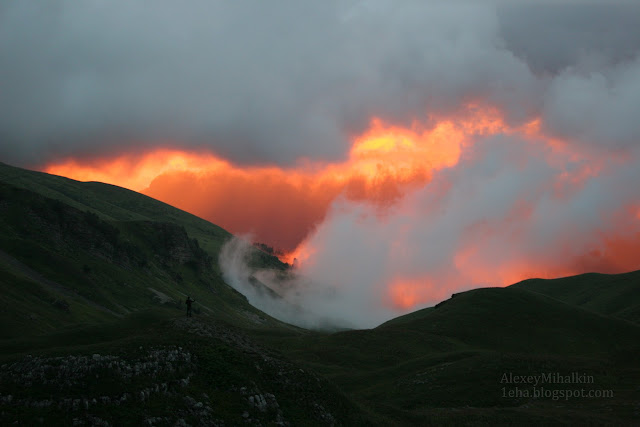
(93, 280)
(291, 296)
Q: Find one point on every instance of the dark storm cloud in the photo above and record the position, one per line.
(553, 36)
(588, 54)
(276, 81)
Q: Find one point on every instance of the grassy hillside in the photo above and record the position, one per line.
(153, 368)
(445, 364)
(112, 203)
(62, 266)
(615, 295)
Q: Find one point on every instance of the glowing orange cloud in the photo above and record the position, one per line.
(281, 206)
(406, 293)
(135, 171)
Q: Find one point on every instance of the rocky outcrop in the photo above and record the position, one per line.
(169, 385)
(156, 372)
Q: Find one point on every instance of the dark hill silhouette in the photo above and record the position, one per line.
(615, 295)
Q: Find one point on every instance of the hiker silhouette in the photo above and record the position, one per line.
(189, 301)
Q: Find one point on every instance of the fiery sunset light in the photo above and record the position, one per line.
(397, 151)
(283, 206)
(383, 164)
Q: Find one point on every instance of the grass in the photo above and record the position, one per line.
(94, 266)
(447, 362)
(225, 368)
(114, 203)
(609, 294)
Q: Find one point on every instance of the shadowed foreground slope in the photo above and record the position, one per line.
(446, 364)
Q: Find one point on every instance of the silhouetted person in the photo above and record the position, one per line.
(189, 301)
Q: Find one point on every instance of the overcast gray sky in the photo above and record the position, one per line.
(271, 82)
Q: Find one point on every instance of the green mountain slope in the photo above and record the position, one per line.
(522, 321)
(73, 252)
(615, 295)
(454, 356)
(113, 203)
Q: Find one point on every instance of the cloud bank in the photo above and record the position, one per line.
(512, 208)
(299, 299)
(401, 151)
(271, 83)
